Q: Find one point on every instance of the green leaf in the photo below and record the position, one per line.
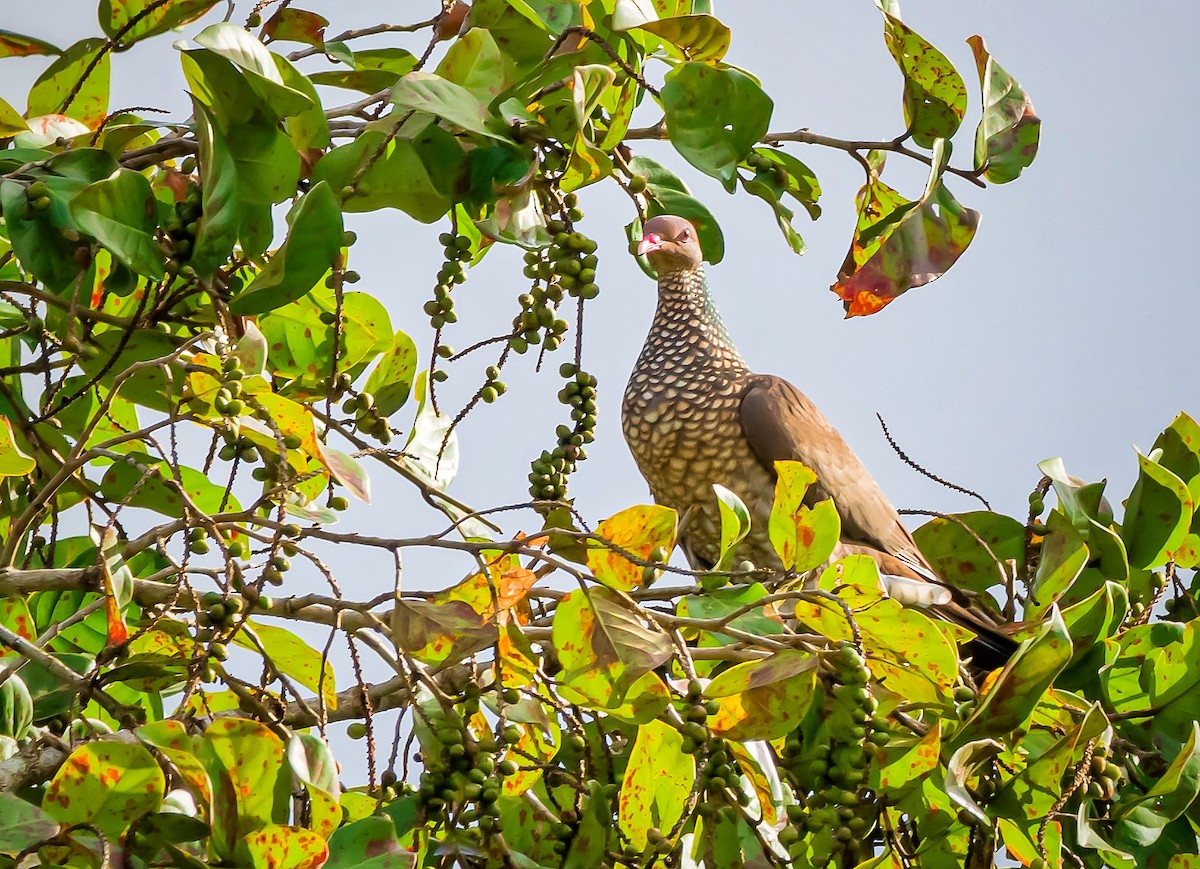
(20, 45)
(257, 64)
(13, 460)
(220, 215)
(714, 117)
(293, 657)
(10, 120)
(590, 82)
(106, 784)
(374, 70)
(1064, 554)
(155, 386)
(695, 37)
(121, 478)
(475, 62)
(370, 843)
(267, 164)
(803, 537)
(658, 779)
(961, 766)
(1140, 818)
(637, 530)
(1178, 449)
(735, 522)
(119, 212)
(49, 93)
(402, 177)
(1158, 516)
(935, 96)
(116, 17)
(22, 824)
(313, 241)
(763, 699)
(391, 380)
(1007, 705)
(969, 550)
(427, 92)
(1006, 140)
(37, 237)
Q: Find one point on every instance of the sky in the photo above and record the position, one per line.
(1067, 329)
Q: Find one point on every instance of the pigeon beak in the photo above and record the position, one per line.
(649, 242)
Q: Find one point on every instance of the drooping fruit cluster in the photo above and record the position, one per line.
(367, 418)
(457, 250)
(461, 779)
(838, 811)
(1106, 774)
(549, 471)
(181, 230)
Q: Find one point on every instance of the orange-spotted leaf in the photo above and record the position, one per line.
(803, 537)
(279, 847)
(251, 786)
(291, 656)
(637, 530)
(906, 762)
(504, 586)
(763, 699)
(106, 784)
(658, 780)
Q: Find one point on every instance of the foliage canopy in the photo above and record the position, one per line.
(575, 700)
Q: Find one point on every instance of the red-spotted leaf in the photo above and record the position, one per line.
(919, 247)
(803, 537)
(970, 550)
(391, 380)
(505, 588)
(433, 632)
(117, 17)
(935, 96)
(763, 699)
(638, 531)
(106, 784)
(1158, 516)
(1006, 140)
(279, 847)
(291, 656)
(251, 789)
(658, 779)
(64, 80)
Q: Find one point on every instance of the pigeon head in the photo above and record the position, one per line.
(671, 244)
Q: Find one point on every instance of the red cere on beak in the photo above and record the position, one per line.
(650, 241)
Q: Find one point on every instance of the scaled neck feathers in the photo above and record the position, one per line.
(687, 322)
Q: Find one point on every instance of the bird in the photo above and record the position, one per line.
(695, 414)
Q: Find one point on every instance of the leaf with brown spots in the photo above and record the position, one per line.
(296, 25)
(172, 739)
(20, 45)
(638, 530)
(369, 843)
(280, 847)
(1006, 140)
(935, 96)
(64, 77)
(107, 784)
(291, 656)
(951, 547)
(433, 633)
(1158, 515)
(115, 16)
(658, 779)
(604, 645)
(763, 699)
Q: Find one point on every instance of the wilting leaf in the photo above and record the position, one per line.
(803, 537)
(696, 37)
(432, 633)
(1006, 140)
